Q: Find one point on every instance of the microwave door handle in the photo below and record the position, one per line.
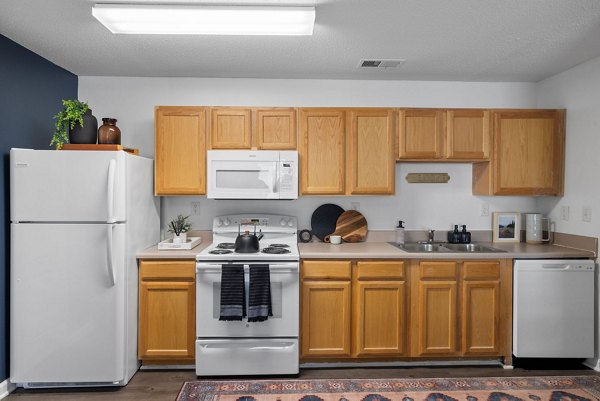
(275, 176)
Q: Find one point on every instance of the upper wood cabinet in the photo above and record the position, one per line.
(443, 135)
(230, 128)
(467, 134)
(420, 133)
(167, 318)
(347, 151)
(276, 129)
(371, 163)
(180, 150)
(528, 154)
(322, 151)
(253, 128)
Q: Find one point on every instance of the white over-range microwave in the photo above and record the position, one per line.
(252, 174)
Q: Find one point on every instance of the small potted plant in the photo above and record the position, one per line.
(75, 124)
(179, 227)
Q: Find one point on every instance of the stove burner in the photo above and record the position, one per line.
(220, 251)
(279, 246)
(278, 250)
(226, 245)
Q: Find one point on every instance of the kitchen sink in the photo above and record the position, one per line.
(472, 248)
(445, 248)
(420, 247)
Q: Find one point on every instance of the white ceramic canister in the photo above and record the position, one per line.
(535, 225)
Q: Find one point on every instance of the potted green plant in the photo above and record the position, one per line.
(179, 227)
(75, 124)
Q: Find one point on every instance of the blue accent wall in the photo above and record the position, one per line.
(31, 91)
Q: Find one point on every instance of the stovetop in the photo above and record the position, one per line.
(279, 240)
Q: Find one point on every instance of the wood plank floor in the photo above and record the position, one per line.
(150, 385)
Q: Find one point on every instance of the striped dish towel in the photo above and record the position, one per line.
(259, 297)
(233, 293)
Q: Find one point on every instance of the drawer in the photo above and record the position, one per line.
(326, 270)
(481, 270)
(438, 270)
(380, 270)
(181, 270)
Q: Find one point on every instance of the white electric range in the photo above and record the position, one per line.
(242, 347)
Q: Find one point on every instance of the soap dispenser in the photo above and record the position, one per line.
(466, 236)
(456, 237)
(400, 233)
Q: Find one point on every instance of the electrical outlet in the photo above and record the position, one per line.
(355, 206)
(195, 208)
(564, 213)
(586, 213)
(485, 209)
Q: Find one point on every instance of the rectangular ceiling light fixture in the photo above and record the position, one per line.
(205, 20)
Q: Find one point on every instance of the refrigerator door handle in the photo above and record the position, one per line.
(110, 192)
(109, 251)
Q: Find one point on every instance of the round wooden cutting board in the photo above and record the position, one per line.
(351, 226)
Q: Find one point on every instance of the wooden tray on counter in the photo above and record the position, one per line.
(76, 146)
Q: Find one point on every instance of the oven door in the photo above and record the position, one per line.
(284, 298)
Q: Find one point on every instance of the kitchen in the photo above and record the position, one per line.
(422, 206)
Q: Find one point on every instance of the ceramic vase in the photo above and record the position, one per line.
(85, 134)
(109, 133)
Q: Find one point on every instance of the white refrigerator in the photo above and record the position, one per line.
(77, 220)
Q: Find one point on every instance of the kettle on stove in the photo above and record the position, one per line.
(246, 242)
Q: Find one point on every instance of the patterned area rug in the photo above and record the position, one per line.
(551, 388)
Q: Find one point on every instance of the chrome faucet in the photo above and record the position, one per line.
(430, 236)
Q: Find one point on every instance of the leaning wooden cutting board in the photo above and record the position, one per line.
(351, 226)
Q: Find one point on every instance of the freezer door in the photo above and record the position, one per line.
(67, 320)
(67, 186)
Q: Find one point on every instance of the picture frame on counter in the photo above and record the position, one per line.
(506, 227)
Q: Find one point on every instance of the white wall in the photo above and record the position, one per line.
(577, 90)
(437, 206)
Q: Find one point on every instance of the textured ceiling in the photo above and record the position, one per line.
(468, 40)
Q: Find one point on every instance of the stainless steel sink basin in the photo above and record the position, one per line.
(445, 248)
(472, 248)
(418, 247)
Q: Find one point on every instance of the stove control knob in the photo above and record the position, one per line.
(219, 222)
(290, 223)
(227, 222)
(282, 222)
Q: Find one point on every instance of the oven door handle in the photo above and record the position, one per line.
(218, 270)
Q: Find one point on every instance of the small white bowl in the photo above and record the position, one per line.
(335, 239)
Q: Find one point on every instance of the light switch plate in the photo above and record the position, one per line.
(564, 213)
(586, 213)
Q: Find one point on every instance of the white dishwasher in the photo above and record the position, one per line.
(553, 308)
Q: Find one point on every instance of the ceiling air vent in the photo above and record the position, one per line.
(384, 63)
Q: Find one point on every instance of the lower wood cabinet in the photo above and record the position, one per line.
(405, 309)
(325, 309)
(434, 309)
(379, 309)
(167, 313)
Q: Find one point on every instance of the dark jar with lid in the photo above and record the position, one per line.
(109, 133)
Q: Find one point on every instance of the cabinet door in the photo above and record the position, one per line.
(480, 312)
(529, 152)
(325, 329)
(528, 157)
(436, 323)
(230, 128)
(167, 296)
(276, 128)
(420, 133)
(467, 134)
(371, 162)
(379, 309)
(180, 151)
(322, 155)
